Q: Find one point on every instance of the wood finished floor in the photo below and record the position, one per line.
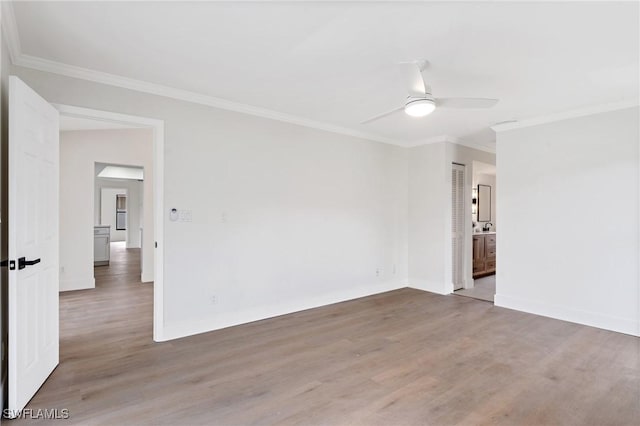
(400, 358)
(483, 289)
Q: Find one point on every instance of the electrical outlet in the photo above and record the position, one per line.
(214, 300)
(379, 272)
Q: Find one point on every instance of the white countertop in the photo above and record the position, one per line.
(485, 233)
(102, 226)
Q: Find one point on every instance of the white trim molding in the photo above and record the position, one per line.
(565, 313)
(565, 115)
(451, 139)
(158, 199)
(77, 284)
(40, 64)
(176, 330)
(18, 58)
(21, 59)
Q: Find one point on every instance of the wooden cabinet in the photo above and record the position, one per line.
(484, 254)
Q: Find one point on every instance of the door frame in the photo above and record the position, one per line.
(158, 196)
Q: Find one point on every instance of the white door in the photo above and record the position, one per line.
(33, 242)
(457, 225)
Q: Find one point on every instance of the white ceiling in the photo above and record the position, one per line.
(334, 62)
(76, 123)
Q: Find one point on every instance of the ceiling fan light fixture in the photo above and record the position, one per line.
(419, 107)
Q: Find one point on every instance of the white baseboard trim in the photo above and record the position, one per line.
(437, 287)
(77, 284)
(230, 319)
(146, 278)
(593, 319)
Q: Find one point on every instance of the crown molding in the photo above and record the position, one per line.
(478, 147)
(454, 140)
(10, 31)
(565, 115)
(429, 141)
(40, 64)
(457, 141)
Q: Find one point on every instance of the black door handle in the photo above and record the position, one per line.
(23, 262)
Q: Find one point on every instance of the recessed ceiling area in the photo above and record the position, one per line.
(112, 171)
(336, 62)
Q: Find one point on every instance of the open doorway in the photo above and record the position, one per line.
(36, 204)
(110, 198)
(484, 248)
(119, 219)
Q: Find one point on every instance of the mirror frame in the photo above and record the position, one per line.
(481, 202)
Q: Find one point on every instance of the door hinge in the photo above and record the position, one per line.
(10, 263)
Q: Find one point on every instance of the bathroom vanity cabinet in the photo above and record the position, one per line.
(484, 254)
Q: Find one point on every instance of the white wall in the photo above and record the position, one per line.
(79, 151)
(568, 240)
(427, 221)
(108, 212)
(283, 217)
(134, 206)
(430, 248)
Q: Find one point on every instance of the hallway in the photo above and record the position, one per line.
(97, 326)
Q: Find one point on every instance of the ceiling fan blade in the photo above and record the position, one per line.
(384, 114)
(466, 102)
(412, 71)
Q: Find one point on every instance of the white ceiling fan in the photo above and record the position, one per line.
(420, 102)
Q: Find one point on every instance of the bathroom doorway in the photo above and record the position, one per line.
(484, 223)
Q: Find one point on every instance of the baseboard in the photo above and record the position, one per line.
(146, 278)
(437, 287)
(468, 283)
(188, 328)
(593, 319)
(77, 284)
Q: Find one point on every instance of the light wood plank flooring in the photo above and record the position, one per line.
(483, 289)
(400, 358)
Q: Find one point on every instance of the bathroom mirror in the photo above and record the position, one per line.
(484, 203)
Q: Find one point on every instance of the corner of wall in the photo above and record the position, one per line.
(77, 284)
(178, 329)
(570, 314)
(431, 286)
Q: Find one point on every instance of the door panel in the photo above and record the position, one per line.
(457, 225)
(33, 234)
